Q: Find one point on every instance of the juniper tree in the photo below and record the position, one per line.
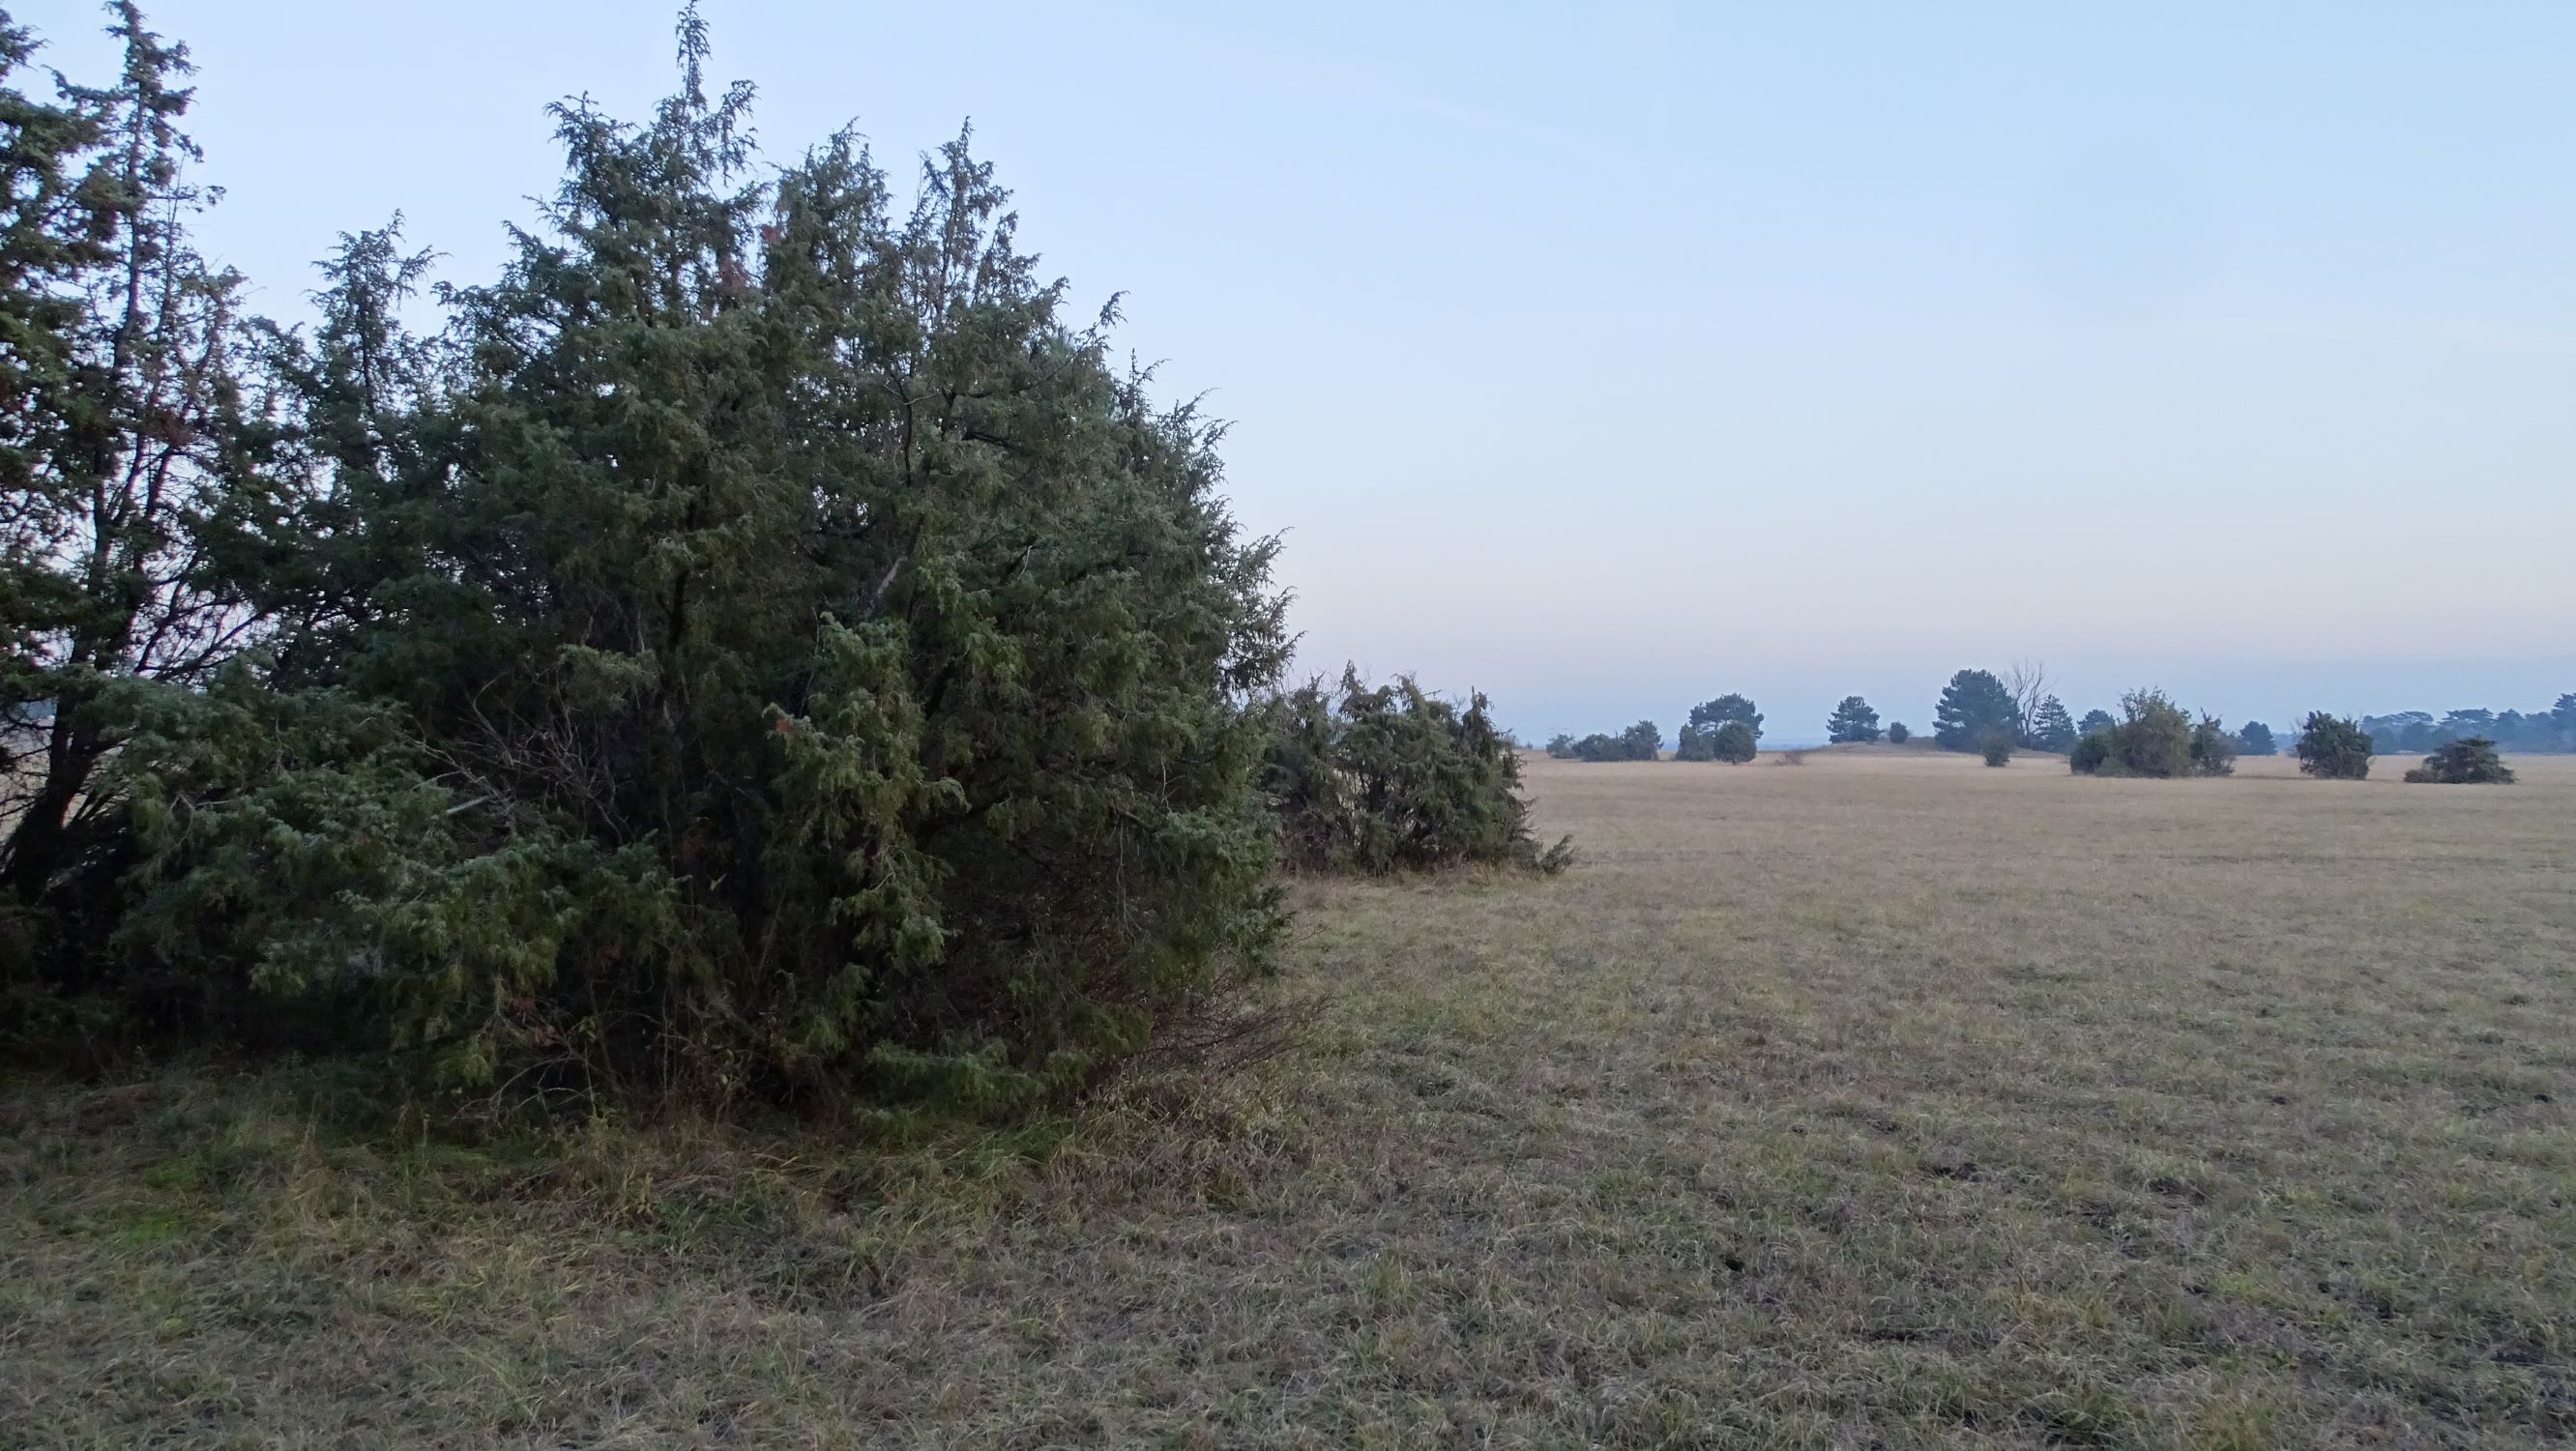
(1641, 742)
(2154, 737)
(1733, 742)
(122, 425)
(2254, 738)
(776, 652)
(2213, 749)
(2333, 749)
(2470, 761)
(1852, 721)
(1377, 779)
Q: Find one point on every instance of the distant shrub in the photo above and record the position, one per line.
(1697, 743)
(2213, 750)
(2155, 738)
(1375, 779)
(1793, 758)
(1734, 743)
(2095, 720)
(1897, 733)
(2255, 739)
(1562, 746)
(2092, 751)
(1640, 742)
(2469, 762)
(2332, 749)
(1998, 748)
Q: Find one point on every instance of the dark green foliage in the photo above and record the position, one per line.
(2334, 749)
(763, 648)
(1696, 743)
(1973, 705)
(2050, 728)
(2092, 752)
(2154, 738)
(2095, 720)
(1997, 749)
(2254, 738)
(2471, 761)
(2213, 749)
(2548, 730)
(1561, 746)
(1710, 714)
(1639, 742)
(1898, 733)
(1387, 778)
(1734, 743)
(1852, 721)
(124, 427)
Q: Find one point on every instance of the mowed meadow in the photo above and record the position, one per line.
(1869, 1098)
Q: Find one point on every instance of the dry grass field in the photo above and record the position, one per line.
(1880, 1100)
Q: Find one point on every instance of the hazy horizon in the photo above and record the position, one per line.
(1608, 360)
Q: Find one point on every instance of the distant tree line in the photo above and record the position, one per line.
(2537, 731)
(1995, 714)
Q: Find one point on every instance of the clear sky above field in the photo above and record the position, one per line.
(1612, 357)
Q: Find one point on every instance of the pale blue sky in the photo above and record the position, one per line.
(1611, 357)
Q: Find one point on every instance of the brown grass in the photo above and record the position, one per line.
(1894, 1101)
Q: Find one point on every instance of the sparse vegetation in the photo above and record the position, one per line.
(2469, 762)
(2334, 749)
(1993, 1108)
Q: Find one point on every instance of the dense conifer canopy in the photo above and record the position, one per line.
(759, 644)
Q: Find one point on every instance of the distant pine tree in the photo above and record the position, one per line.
(1974, 705)
(2050, 727)
(1852, 721)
